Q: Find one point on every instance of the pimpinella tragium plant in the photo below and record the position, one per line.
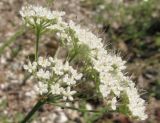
(87, 67)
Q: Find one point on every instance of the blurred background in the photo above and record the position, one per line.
(130, 28)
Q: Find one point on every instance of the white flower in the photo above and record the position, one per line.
(68, 80)
(41, 88)
(43, 62)
(113, 103)
(105, 90)
(59, 26)
(69, 75)
(67, 94)
(30, 67)
(66, 66)
(110, 68)
(57, 76)
(38, 11)
(34, 15)
(136, 104)
(117, 63)
(75, 75)
(51, 59)
(43, 74)
(56, 89)
(58, 68)
(86, 37)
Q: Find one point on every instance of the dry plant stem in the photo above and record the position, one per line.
(37, 106)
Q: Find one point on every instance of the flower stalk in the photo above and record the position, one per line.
(37, 106)
(37, 31)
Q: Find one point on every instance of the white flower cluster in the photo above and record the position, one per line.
(86, 37)
(136, 104)
(54, 77)
(37, 15)
(110, 68)
(59, 78)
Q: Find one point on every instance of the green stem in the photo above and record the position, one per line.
(73, 56)
(37, 43)
(38, 105)
(77, 109)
